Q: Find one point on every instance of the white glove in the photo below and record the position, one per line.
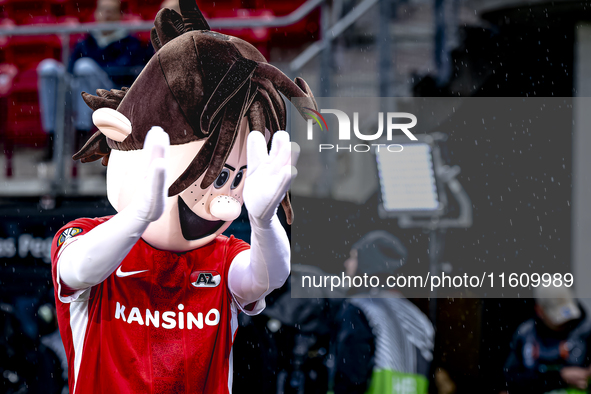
(256, 272)
(268, 175)
(85, 261)
(151, 200)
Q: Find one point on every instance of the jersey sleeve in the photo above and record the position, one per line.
(236, 246)
(65, 237)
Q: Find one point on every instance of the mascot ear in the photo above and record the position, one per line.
(112, 124)
(167, 26)
(192, 17)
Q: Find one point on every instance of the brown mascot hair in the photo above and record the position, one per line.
(209, 82)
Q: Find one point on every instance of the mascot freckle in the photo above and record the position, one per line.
(148, 299)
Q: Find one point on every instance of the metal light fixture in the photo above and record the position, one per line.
(413, 185)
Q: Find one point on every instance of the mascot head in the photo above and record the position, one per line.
(207, 91)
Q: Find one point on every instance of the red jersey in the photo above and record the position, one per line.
(163, 322)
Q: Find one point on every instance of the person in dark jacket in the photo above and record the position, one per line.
(26, 364)
(384, 343)
(551, 351)
(102, 59)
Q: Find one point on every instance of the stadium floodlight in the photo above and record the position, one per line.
(413, 185)
(407, 181)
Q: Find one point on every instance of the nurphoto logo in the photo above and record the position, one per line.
(344, 125)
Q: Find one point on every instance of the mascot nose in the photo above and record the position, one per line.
(225, 208)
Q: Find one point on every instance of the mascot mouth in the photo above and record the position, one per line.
(193, 226)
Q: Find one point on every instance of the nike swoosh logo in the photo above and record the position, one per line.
(122, 274)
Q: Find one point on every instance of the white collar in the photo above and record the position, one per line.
(104, 41)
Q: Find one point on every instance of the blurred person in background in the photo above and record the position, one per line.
(550, 353)
(26, 365)
(384, 343)
(49, 336)
(101, 60)
(285, 349)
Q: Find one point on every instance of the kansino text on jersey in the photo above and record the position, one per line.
(361, 148)
(169, 319)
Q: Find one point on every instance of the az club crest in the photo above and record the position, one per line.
(205, 279)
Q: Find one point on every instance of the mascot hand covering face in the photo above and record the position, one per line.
(148, 298)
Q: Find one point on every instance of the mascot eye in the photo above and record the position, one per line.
(238, 179)
(222, 178)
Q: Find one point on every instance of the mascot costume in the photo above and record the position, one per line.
(148, 299)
